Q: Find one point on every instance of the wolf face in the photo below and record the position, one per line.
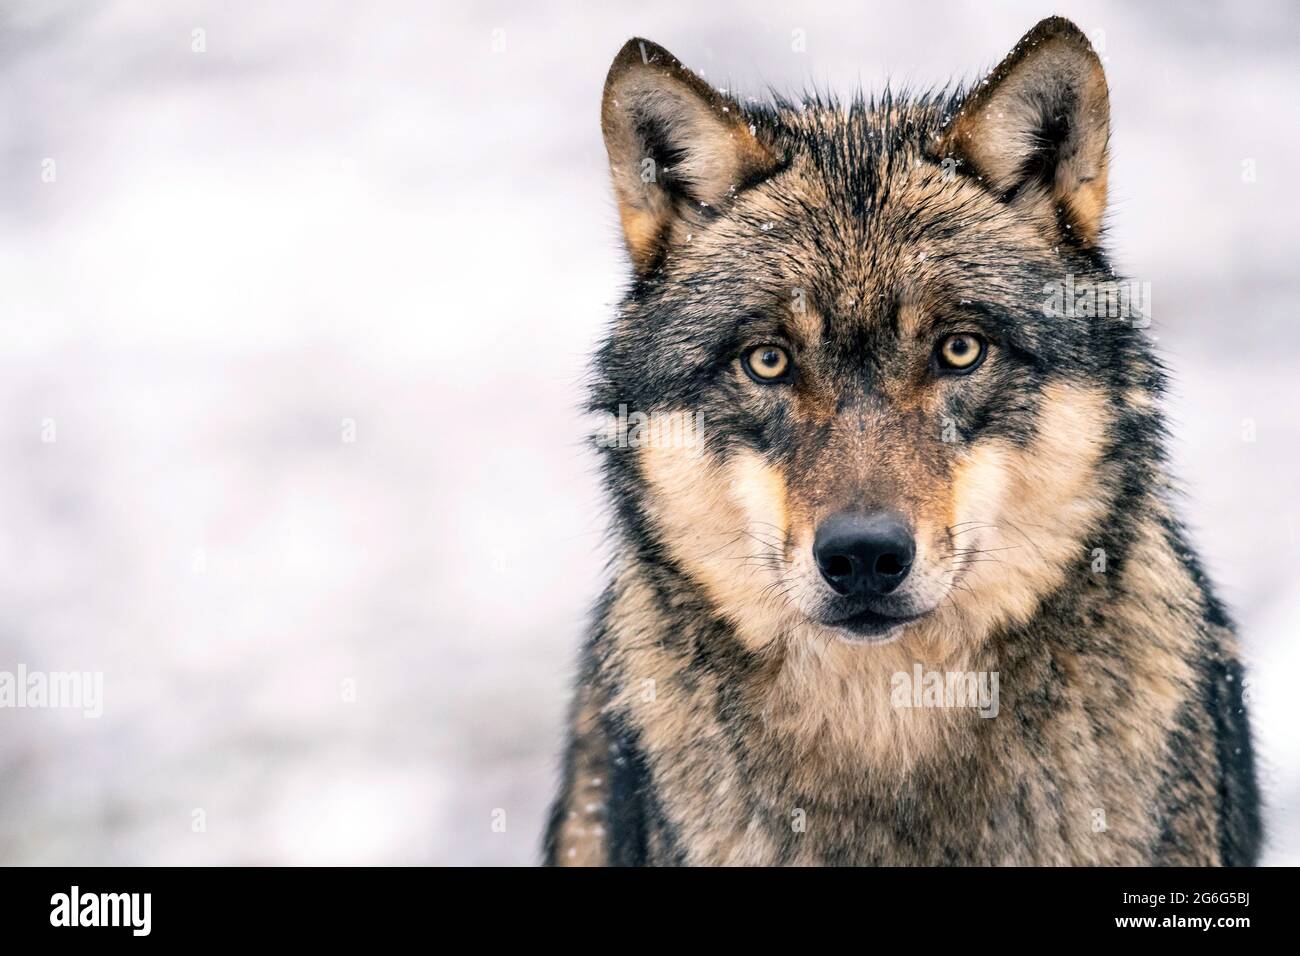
(851, 301)
(858, 399)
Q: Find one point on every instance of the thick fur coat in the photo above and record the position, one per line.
(899, 307)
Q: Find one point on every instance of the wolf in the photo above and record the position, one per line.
(908, 464)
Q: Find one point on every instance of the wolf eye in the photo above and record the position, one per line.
(960, 352)
(767, 363)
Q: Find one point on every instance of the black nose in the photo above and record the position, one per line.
(864, 553)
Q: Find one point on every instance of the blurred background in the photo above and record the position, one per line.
(304, 292)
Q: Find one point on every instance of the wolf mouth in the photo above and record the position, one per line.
(869, 626)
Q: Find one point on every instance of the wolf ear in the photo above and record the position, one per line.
(676, 146)
(1036, 130)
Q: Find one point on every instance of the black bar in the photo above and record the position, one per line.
(338, 905)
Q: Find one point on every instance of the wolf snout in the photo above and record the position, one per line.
(864, 553)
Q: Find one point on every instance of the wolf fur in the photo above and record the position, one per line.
(721, 715)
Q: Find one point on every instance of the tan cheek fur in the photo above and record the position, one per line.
(725, 524)
(1029, 510)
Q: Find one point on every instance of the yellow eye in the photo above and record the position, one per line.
(960, 352)
(767, 363)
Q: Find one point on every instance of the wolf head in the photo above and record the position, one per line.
(895, 419)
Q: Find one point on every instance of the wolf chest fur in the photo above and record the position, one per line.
(907, 474)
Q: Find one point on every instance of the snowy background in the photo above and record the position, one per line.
(395, 218)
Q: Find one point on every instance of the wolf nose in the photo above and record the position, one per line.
(864, 554)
